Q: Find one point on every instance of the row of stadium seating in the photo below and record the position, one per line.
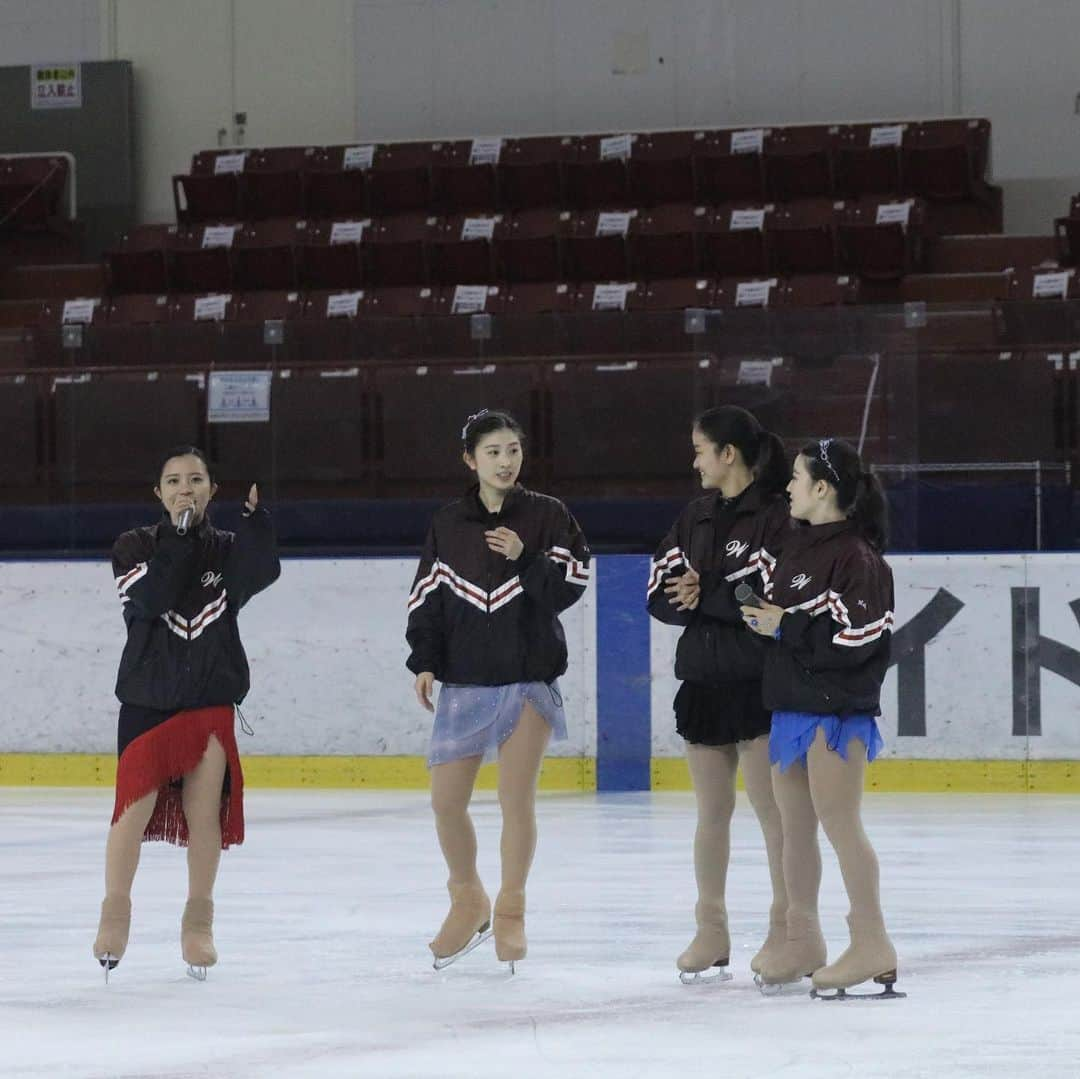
(870, 237)
(1009, 309)
(601, 426)
(941, 160)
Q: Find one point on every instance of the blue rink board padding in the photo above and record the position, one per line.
(623, 722)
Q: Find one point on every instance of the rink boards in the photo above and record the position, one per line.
(984, 692)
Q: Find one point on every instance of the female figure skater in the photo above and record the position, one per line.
(182, 583)
(718, 544)
(830, 615)
(498, 567)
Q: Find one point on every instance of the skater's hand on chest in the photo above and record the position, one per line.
(505, 541)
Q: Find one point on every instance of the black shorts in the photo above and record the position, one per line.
(720, 715)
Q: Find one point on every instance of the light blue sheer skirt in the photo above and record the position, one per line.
(793, 733)
(473, 721)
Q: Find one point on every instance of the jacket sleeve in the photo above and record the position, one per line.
(557, 577)
(425, 628)
(849, 624)
(252, 563)
(668, 562)
(718, 596)
(151, 585)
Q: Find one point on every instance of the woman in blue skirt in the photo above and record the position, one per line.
(830, 615)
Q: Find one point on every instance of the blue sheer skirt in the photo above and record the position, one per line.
(473, 721)
(793, 733)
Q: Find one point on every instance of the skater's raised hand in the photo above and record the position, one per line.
(252, 501)
(505, 541)
(425, 686)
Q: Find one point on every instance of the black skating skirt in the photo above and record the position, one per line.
(720, 715)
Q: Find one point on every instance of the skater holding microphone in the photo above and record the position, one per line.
(181, 584)
(828, 619)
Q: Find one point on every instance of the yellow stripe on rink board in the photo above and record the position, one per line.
(558, 774)
(919, 776)
(382, 773)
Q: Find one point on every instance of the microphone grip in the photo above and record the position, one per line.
(746, 595)
(184, 523)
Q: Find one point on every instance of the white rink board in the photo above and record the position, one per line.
(969, 664)
(326, 645)
(327, 651)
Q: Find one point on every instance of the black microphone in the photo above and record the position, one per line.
(746, 596)
(185, 520)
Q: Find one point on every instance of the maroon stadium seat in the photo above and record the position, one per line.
(801, 237)
(530, 172)
(529, 246)
(397, 249)
(462, 180)
(596, 175)
(724, 175)
(332, 256)
(264, 254)
(733, 242)
(798, 163)
(665, 241)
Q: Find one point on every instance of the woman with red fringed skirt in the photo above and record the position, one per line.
(182, 583)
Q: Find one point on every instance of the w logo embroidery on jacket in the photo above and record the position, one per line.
(800, 581)
(735, 549)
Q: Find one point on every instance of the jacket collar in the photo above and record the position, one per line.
(811, 535)
(750, 500)
(475, 510)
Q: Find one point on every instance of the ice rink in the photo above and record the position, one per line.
(324, 914)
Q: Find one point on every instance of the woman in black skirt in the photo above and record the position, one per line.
(182, 583)
(717, 544)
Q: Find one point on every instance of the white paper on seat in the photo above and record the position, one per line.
(485, 151)
(754, 293)
(478, 228)
(469, 299)
(229, 163)
(894, 213)
(754, 373)
(343, 304)
(358, 157)
(611, 297)
(1046, 286)
(79, 311)
(746, 219)
(748, 142)
(211, 308)
(348, 232)
(616, 147)
(612, 223)
(887, 135)
(218, 236)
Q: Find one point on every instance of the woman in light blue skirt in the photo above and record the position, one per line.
(499, 566)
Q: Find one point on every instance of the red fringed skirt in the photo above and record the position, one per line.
(157, 749)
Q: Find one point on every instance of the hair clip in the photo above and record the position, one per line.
(823, 446)
(474, 416)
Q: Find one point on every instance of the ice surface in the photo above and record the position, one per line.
(323, 917)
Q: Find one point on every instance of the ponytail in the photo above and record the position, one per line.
(870, 511)
(772, 471)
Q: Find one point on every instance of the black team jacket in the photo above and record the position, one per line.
(728, 542)
(833, 650)
(477, 618)
(181, 596)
